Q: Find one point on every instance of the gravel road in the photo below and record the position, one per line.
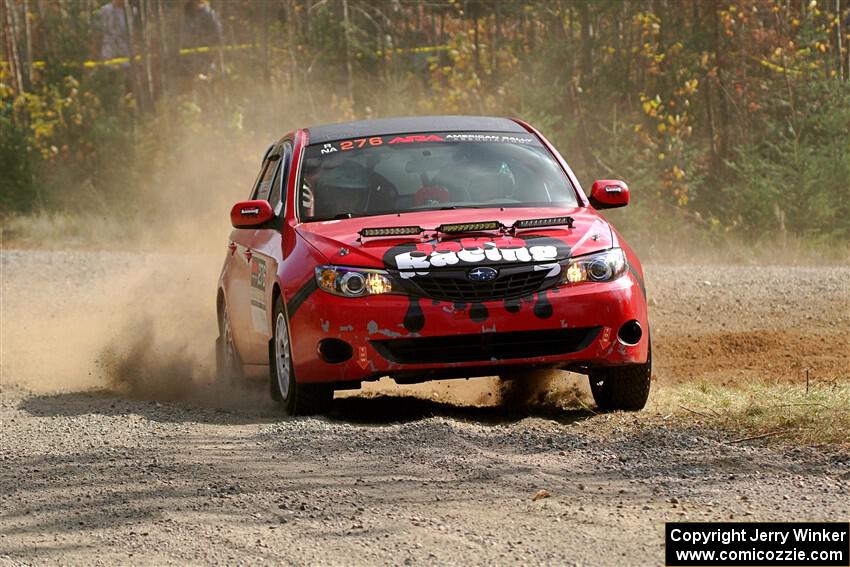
(115, 448)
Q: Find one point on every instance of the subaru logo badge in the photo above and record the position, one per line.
(482, 274)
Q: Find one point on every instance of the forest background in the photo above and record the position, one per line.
(730, 120)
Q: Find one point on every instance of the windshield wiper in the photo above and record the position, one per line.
(338, 216)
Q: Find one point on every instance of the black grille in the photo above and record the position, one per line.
(486, 346)
(455, 286)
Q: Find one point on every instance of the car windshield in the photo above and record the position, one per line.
(429, 171)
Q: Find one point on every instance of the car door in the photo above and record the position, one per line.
(265, 244)
(248, 276)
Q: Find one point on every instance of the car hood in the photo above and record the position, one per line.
(340, 243)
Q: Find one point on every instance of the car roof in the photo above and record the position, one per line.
(410, 125)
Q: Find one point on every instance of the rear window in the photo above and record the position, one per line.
(429, 171)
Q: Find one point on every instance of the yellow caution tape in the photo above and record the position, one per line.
(91, 64)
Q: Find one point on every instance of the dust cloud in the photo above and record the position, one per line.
(535, 389)
(140, 321)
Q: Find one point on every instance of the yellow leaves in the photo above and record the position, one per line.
(680, 192)
(661, 128)
(678, 173)
(42, 130)
(651, 106)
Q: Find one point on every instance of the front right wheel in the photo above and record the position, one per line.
(295, 398)
(622, 387)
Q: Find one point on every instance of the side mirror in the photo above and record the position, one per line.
(609, 194)
(251, 214)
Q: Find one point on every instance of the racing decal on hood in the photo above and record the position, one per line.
(479, 260)
(417, 260)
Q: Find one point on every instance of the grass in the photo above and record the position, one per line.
(759, 410)
(63, 230)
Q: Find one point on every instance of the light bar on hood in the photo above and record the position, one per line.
(390, 231)
(469, 227)
(551, 221)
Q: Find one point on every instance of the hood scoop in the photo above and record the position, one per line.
(467, 227)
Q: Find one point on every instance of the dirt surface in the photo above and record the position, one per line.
(115, 447)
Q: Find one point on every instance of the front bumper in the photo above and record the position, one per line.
(414, 339)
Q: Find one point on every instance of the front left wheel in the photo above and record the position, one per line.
(295, 398)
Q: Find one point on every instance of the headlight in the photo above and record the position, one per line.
(599, 267)
(353, 282)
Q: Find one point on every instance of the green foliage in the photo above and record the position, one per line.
(796, 175)
(16, 188)
(732, 116)
(788, 412)
(61, 148)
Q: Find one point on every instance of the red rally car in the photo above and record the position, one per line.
(426, 248)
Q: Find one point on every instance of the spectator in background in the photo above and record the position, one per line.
(114, 39)
(200, 28)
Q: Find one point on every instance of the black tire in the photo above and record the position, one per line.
(227, 364)
(294, 398)
(623, 388)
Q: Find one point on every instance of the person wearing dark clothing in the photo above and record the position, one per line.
(200, 28)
